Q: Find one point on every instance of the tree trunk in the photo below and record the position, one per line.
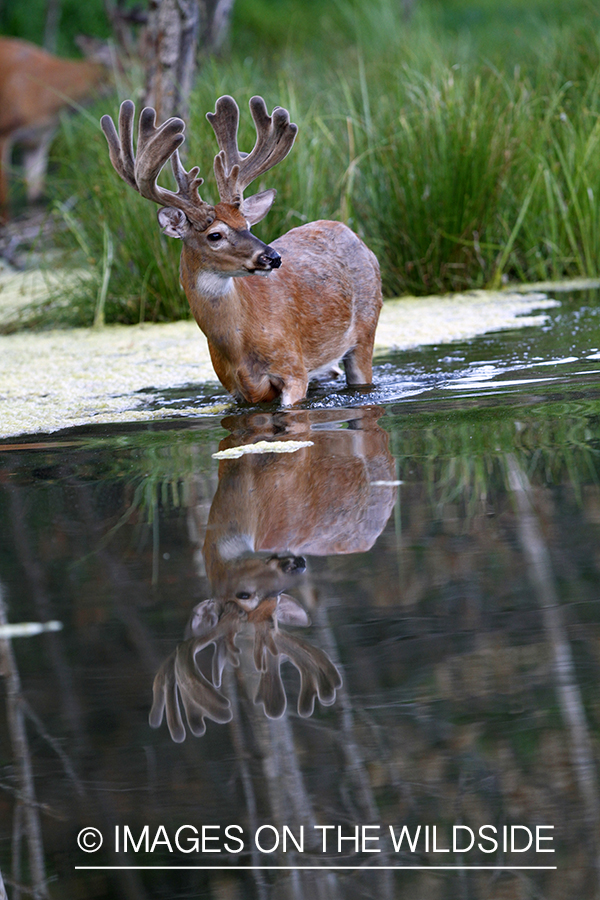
(216, 16)
(176, 28)
(172, 39)
(53, 11)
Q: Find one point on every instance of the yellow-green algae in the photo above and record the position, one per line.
(59, 379)
(262, 447)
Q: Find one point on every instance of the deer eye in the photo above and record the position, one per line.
(214, 236)
(243, 595)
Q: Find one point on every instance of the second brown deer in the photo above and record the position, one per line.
(34, 87)
(321, 299)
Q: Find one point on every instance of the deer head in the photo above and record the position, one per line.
(219, 235)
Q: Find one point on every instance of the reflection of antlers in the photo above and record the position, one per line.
(212, 623)
(180, 674)
(318, 675)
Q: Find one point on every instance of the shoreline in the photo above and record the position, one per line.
(60, 379)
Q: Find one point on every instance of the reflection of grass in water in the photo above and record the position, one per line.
(158, 469)
(463, 454)
(160, 472)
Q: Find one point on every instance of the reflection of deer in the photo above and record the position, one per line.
(267, 336)
(34, 87)
(269, 510)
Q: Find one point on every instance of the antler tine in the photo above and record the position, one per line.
(234, 170)
(267, 658)
(164, 692)
(225, 121)
(318, 675)
(155, 147)
(270, 691)
(120, 146)
(179, 678)
(218, 624)
(275, 138)
(187, 182)
(200, 697)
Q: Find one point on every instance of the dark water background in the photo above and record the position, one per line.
(450, 526)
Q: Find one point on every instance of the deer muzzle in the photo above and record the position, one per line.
(268, 259)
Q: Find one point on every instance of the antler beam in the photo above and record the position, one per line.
(155, 146)
(235, 170)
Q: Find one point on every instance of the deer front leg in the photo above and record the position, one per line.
(256, 388)
(294, 390)
(262, 387)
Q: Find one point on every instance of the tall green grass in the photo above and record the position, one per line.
(458, 169)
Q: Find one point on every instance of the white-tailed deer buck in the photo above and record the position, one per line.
(34, 87)
(321, 300)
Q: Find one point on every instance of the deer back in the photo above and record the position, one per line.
(35, 84)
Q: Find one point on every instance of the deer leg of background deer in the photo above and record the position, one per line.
(5, 151)
(35, 164)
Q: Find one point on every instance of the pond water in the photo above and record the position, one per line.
(378, 654)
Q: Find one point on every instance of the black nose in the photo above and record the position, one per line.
(295, 564)
(270, 258)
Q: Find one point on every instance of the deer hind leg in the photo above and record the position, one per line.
(35, 164)
(5, 152)
(358, 364)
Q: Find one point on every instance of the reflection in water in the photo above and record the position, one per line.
(26, 823)
(332, 497)
(465, 626)
(568, 692)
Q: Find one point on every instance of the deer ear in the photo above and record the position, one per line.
(203, 619)
(172, 221)
(257, 206)
(289, 612)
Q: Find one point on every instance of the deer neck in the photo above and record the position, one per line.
(215, 288)
(217, 305)
(210, 293)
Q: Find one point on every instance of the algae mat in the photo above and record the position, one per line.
(60, 379)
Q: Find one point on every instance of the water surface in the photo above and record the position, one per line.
(429, 567)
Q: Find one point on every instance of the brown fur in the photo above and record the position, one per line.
(34, 87)
(274, 316)
(317, 501)
(320, 306)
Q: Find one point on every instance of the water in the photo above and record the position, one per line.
(441, 537)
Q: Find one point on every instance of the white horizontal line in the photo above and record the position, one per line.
(327, 868)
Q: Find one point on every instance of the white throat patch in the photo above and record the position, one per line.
(213, 285)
